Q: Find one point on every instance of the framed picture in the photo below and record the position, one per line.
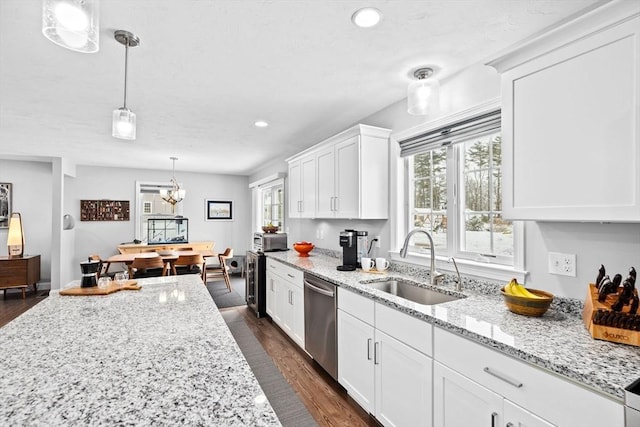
(5, 204)
(218, 210)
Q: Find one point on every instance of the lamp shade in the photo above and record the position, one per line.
(15, 237)
(124, 124)
(423, 96)
(73, 24)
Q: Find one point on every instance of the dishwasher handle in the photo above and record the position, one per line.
(318, 290)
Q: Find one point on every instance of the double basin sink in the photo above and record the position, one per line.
(412, 292)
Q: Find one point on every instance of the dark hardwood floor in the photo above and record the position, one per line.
(323, 397)
(13, 305)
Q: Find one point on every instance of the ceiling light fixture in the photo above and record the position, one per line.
(261, 124)
(423, 94)
(175, 194)
(124, 120)
(73, 24)
(366, 17)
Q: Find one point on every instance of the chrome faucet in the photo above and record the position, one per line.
(459, 284)
(434, 275)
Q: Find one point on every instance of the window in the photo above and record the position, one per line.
(273, 205)
(454, 179)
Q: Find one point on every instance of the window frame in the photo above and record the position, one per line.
(484, 267)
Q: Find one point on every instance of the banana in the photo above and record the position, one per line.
(514, 288)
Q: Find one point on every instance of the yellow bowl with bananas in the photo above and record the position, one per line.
(528, 306)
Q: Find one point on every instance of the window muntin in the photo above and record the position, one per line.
(272, 200)
(472, 226)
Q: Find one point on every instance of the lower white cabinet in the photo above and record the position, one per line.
(387, 377)
(285, 299)
(459, 401)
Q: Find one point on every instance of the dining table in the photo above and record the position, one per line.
(167, 256)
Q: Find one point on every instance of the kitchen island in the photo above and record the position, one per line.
(162, 355)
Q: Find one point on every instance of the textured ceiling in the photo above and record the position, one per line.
(205, 70)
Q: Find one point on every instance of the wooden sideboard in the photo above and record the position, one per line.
(139, 248)
(19, 272)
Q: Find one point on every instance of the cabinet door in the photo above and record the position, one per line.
(326, 183)
(515, 416)
(281, 309)
(271, 295)
(355, 359)
(308, 186)
(347, 164)
(403, 379)
(571, 131)
(458, 401)
(296, 322)
(295, 179)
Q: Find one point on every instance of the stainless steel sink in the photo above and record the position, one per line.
(412, 292)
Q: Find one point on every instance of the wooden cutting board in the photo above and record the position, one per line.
(129, 285)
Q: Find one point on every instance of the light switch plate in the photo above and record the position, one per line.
(562, 264)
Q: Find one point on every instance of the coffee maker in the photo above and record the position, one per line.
(90, 271)
(349, 244)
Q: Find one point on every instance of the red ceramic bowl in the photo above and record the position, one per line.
(303, 248)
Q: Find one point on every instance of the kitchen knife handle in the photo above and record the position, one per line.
(503, 377)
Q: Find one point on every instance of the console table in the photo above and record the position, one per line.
(19, 273)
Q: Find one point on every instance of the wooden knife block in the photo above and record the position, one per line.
(602, 332)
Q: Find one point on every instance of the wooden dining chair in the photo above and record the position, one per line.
(188, 264)
(147, 267)
(221, 271)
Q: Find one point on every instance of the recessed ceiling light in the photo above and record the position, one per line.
(366, 17)
(261, 124)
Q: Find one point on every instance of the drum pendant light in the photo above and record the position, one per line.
(124, 120)
(73, 24)
(423, 94)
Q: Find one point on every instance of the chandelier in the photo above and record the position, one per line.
(175, 194)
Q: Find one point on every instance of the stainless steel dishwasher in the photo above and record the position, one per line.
(320, 338)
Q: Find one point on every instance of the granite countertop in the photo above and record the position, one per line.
(162, 355)
(557, 342)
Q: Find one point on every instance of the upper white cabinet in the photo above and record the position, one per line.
(302, 185)
(571, 120)
(351, 176)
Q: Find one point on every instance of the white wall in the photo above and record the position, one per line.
(32, 188)
(617, 246)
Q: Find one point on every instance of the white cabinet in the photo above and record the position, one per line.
(458, 401)
(352, 175)
(571, 121)
(302, 187)
(285, 299)
(532, 397)
(390, 379)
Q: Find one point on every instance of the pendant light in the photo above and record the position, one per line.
(124, 120)
(423, 94)
(175, 194)
(73, 24)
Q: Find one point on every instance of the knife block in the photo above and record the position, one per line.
(609, 332)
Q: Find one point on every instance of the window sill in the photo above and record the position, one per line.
(483, 270)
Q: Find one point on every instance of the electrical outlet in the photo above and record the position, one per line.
(562, 264)
(377, 241)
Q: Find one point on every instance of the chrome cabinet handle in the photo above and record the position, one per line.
(494, 417)
(290, 275)
(510, 424)
(376, 346)
(503, 377)
(369, 349)
(335, 205)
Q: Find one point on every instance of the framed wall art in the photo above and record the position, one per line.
(216, 210)
(5, 204)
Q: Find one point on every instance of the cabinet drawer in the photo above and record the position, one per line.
(361, 307)
(545, 394)
(290, 274)
(409, 330)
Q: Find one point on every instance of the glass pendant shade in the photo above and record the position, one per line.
(124, 124)
(15, 236)
(423, 96)
(73, 24)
